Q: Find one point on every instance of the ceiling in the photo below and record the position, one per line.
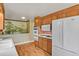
(30, 10)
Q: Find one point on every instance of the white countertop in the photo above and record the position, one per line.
(7, 48)
(44, 36)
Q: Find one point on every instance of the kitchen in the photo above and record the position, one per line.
(47, 32)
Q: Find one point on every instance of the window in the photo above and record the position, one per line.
(14, 27)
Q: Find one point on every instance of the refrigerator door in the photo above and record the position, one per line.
(57, 33)
(62, 52)
(71, 34)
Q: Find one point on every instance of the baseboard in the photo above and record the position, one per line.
(23, 42)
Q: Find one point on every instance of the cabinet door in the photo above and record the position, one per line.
(1, 17)
(37, 21)
(71, 34)
(45, 44)
(36, 43)
(1, 21)
(72, 11)
(40, 43)
(47, 21)
(54, 17)
(49, 46)
(60, 14)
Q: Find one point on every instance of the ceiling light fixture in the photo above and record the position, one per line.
(22, 17)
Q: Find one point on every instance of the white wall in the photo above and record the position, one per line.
(31, 29)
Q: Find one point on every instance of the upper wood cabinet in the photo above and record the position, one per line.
(60, 14)
(73, 11)
(68, 12)
(37, 21)
(1, 17)
(47, 20)
(1, 8)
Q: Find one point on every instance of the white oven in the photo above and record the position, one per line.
(35, 33)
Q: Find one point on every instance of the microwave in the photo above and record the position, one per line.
(46, 27)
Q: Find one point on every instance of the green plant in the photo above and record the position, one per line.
(9, 28)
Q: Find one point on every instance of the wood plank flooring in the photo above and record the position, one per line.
(29, 49)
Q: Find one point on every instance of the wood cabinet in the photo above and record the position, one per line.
(60, 14)
(45, 44)
(37, 21)
(1, 8)
(1, 17)
(49, 47)
(72, 12)
(36, 44)
(47, 20)
(40, 42)
(68, 12)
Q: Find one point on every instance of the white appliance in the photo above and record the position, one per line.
(35, 33)
(65, 36)
(57, 32)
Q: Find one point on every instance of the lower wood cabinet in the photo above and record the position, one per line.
(45, 44)
(49, 47)
(40, 42)
(36, 43)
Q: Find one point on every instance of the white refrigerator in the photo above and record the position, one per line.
(65, 36)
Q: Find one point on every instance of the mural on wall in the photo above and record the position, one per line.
(14, 27)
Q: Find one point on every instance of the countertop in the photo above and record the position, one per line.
(44, 36)
(7, 48)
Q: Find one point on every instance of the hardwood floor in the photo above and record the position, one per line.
(29, 49)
